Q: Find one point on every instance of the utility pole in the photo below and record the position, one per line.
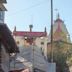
(33, 58)
(33, 54)
(51, 30)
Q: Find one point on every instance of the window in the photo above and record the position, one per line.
(1, 15)
(17, 42)
(25, 38)
(42, 43)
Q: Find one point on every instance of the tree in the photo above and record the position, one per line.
(60, 54)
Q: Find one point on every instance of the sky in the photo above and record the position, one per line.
(22, 13)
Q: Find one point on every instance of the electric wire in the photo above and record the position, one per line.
(26, 9)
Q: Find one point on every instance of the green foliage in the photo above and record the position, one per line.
(61, 54)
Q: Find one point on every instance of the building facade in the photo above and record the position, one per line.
(7, 43)
(32, 46)
(61, 42)
(26, 38)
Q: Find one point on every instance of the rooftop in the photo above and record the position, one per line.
(2, 8)
(7, 39)
(29, 34)
(3, 1)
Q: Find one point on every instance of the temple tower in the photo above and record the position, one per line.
(60, 31)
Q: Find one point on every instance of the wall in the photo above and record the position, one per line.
(37, 41)
(5, 60)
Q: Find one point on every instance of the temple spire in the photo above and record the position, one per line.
(58, 16)
(15, 29)
(30, 26)
(45, 30)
